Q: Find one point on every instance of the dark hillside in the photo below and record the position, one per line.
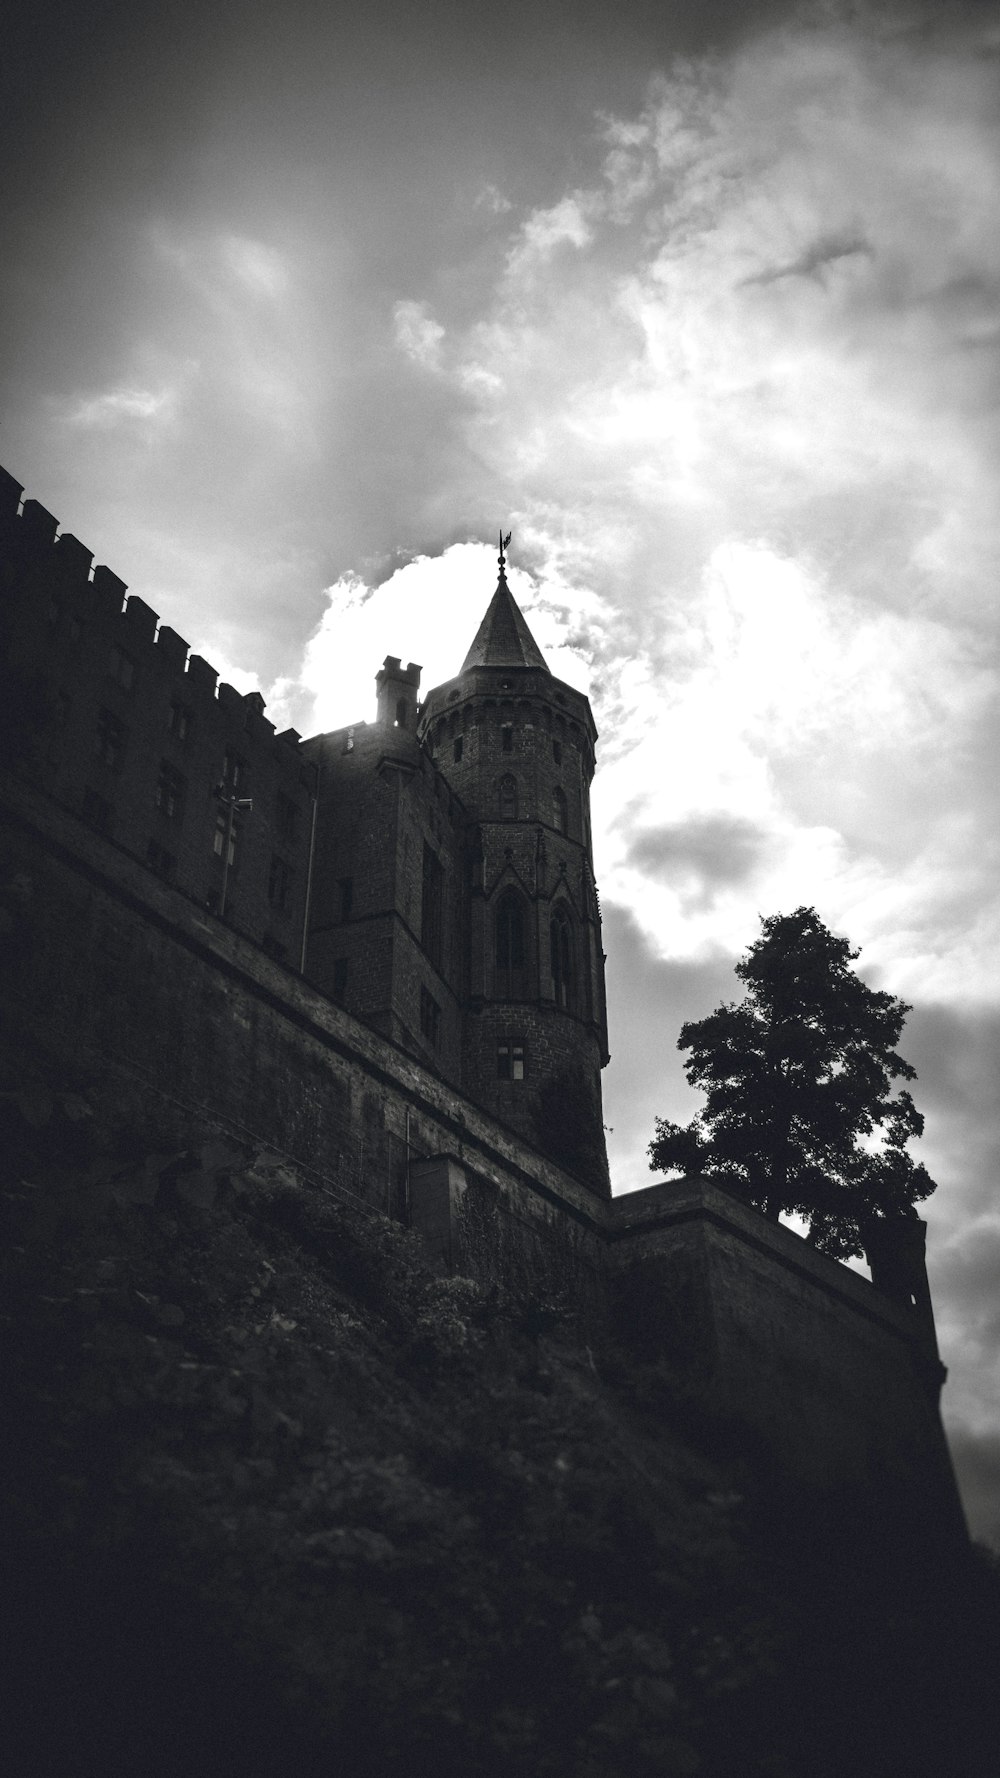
(282, 1501)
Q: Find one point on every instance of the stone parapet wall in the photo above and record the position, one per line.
(838, 1384)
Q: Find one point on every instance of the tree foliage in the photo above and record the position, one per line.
(801, 1114)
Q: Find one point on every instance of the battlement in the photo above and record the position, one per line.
(109, 710)
(409, 675)
(92, 593)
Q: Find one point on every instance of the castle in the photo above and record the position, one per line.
(377, 952)
(454, 905)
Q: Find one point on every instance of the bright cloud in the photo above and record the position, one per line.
(756, 376)
(117, 405)
(427, 611)
(418, 334)
(565, 224)
(260, 268)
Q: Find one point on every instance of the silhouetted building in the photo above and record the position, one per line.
(377, 953)
(105, 709)
(454, 904)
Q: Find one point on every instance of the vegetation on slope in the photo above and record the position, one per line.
(281, 1500)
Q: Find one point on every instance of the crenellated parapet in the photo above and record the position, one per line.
(107, 709)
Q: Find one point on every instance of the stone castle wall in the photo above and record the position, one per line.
(839, 1384)
(105, 708)
(381, 803)
(173, 1022)
(120, 978)
(179, 1028)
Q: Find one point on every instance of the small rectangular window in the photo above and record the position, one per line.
(346, 887)
(180, 719)
(279, 883)
(170, 791)
(122, 667)
(557, 751)
(287, 816)
(510, 1060)
(219, 837)
(234, 771)
(430, 1018)
(457, 747)
(432, 905)
(110, 742)
(507, 738)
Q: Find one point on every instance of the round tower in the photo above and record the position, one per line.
(517, 747)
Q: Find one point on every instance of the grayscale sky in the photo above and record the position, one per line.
(301, 303)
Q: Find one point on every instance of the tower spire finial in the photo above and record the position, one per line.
(504, 545)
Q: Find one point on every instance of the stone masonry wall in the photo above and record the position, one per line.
(177, 1028)
(104, 708)
(171, 1021)
(839, 1384)
(381, 802)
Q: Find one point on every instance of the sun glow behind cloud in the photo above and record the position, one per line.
(730, 383)
(741, 412)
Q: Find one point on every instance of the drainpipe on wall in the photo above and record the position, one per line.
(309, 878)
(406, 1187)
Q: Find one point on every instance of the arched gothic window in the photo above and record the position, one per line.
(561, 951)
(508, 797)
(511, 949)
(559, 810)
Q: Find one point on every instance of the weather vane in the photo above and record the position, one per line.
(504, 544)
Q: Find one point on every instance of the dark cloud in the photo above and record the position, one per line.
(700, 854)
(956, 1053)
(810, 263)
(649, 999)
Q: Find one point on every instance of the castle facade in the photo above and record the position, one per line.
(454, 906)
(376, 955)
(431, 872)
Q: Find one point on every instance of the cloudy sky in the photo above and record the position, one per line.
(701, 300)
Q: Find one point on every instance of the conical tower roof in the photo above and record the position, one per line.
(503, 639)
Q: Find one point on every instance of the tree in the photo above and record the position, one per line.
(800, 1112)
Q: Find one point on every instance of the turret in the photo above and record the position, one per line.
(397, 688)
(517, 746)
